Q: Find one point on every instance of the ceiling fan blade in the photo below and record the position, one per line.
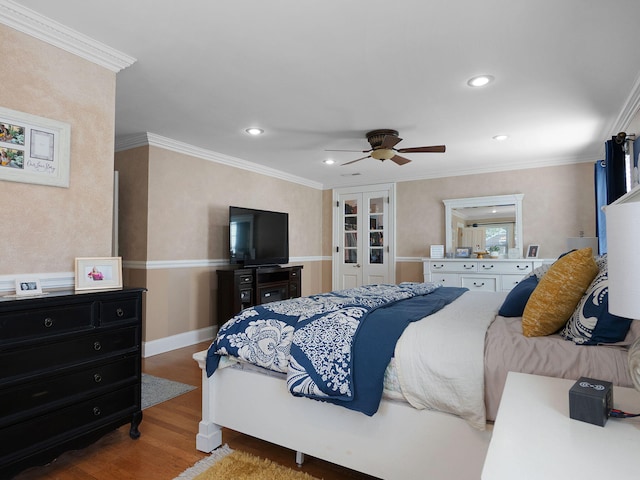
(354, 161)
(400, 160)
(389, 141)
(363, 151)
(432, 149)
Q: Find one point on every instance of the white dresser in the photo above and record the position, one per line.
(488, 275)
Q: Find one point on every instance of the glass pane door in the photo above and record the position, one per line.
(351, 231)
(376, 230)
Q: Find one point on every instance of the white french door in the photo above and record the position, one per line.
(363, 234)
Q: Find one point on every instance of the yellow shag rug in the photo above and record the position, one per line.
(225, 463)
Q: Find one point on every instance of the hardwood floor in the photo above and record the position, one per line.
(167, 444)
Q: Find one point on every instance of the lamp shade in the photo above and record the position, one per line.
(579, 243)
(623, 259)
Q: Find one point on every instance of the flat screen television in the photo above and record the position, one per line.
(258, 237)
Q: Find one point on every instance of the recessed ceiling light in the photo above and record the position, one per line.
(480, 81)
(329, 161)
(254, 131)
(501, 138)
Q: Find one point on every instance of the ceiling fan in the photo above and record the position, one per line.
(382, 148)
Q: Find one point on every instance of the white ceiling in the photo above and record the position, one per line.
(319, 74)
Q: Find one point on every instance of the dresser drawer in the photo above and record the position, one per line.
(510, 281)
(74, 351)
(446, 279)
(453, 266)
(480, 283)
(522, 267)
(121, 310)
(56, 390)
(56, 426)
(22, 325)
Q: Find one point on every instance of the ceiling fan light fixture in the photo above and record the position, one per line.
(480, 80)
(383, 154)
(254, 131)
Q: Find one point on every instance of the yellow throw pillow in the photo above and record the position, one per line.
(558, 293)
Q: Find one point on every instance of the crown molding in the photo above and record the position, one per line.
(629, 111)
(151, 139)
(43, 28)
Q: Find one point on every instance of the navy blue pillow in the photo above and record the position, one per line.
(517, 298)
(591, 323)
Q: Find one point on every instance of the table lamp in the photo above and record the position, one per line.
(623, 259)
(578, 243)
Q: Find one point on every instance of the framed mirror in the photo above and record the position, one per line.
(485, 222)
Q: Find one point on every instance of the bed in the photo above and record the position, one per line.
(450, 366)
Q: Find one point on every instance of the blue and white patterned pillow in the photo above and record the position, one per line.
(591, 322)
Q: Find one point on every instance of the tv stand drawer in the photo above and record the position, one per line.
(246, 287)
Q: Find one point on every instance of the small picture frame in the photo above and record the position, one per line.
(463, 252)
(533, 251)
(436, 251)
(28, 286)
(98, 273)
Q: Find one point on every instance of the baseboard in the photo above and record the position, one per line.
(167, 344)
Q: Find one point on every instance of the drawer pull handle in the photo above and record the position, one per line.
(96, 411)
(468, 267)
(48, 322)
(97, 377)
(520, 267)
(120, 312)
(478, 284)
(437, 267)
(487, 267)
(97, 346)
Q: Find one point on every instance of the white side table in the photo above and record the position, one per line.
(534, 438)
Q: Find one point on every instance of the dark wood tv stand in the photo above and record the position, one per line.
(249, 286)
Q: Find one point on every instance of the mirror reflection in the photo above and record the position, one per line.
(485, 224)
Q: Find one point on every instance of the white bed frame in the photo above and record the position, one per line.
(398, 442)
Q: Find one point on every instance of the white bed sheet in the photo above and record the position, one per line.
(440, 359)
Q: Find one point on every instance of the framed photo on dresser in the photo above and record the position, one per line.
(533, 251)
(98, 273)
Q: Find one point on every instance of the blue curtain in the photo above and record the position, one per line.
(636, 153)
(610, 183)
(600, 177)
(615, 168)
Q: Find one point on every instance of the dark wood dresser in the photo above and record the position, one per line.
(70, 371)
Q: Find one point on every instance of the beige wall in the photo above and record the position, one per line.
(44, 228)
(174, 210)
(558, 203)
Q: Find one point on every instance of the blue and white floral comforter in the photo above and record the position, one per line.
(335, 346)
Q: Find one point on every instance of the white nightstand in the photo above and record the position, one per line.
(534, 438)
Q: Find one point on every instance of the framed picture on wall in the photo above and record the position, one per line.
(533, 251)
(98, 273)
(34, 149)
